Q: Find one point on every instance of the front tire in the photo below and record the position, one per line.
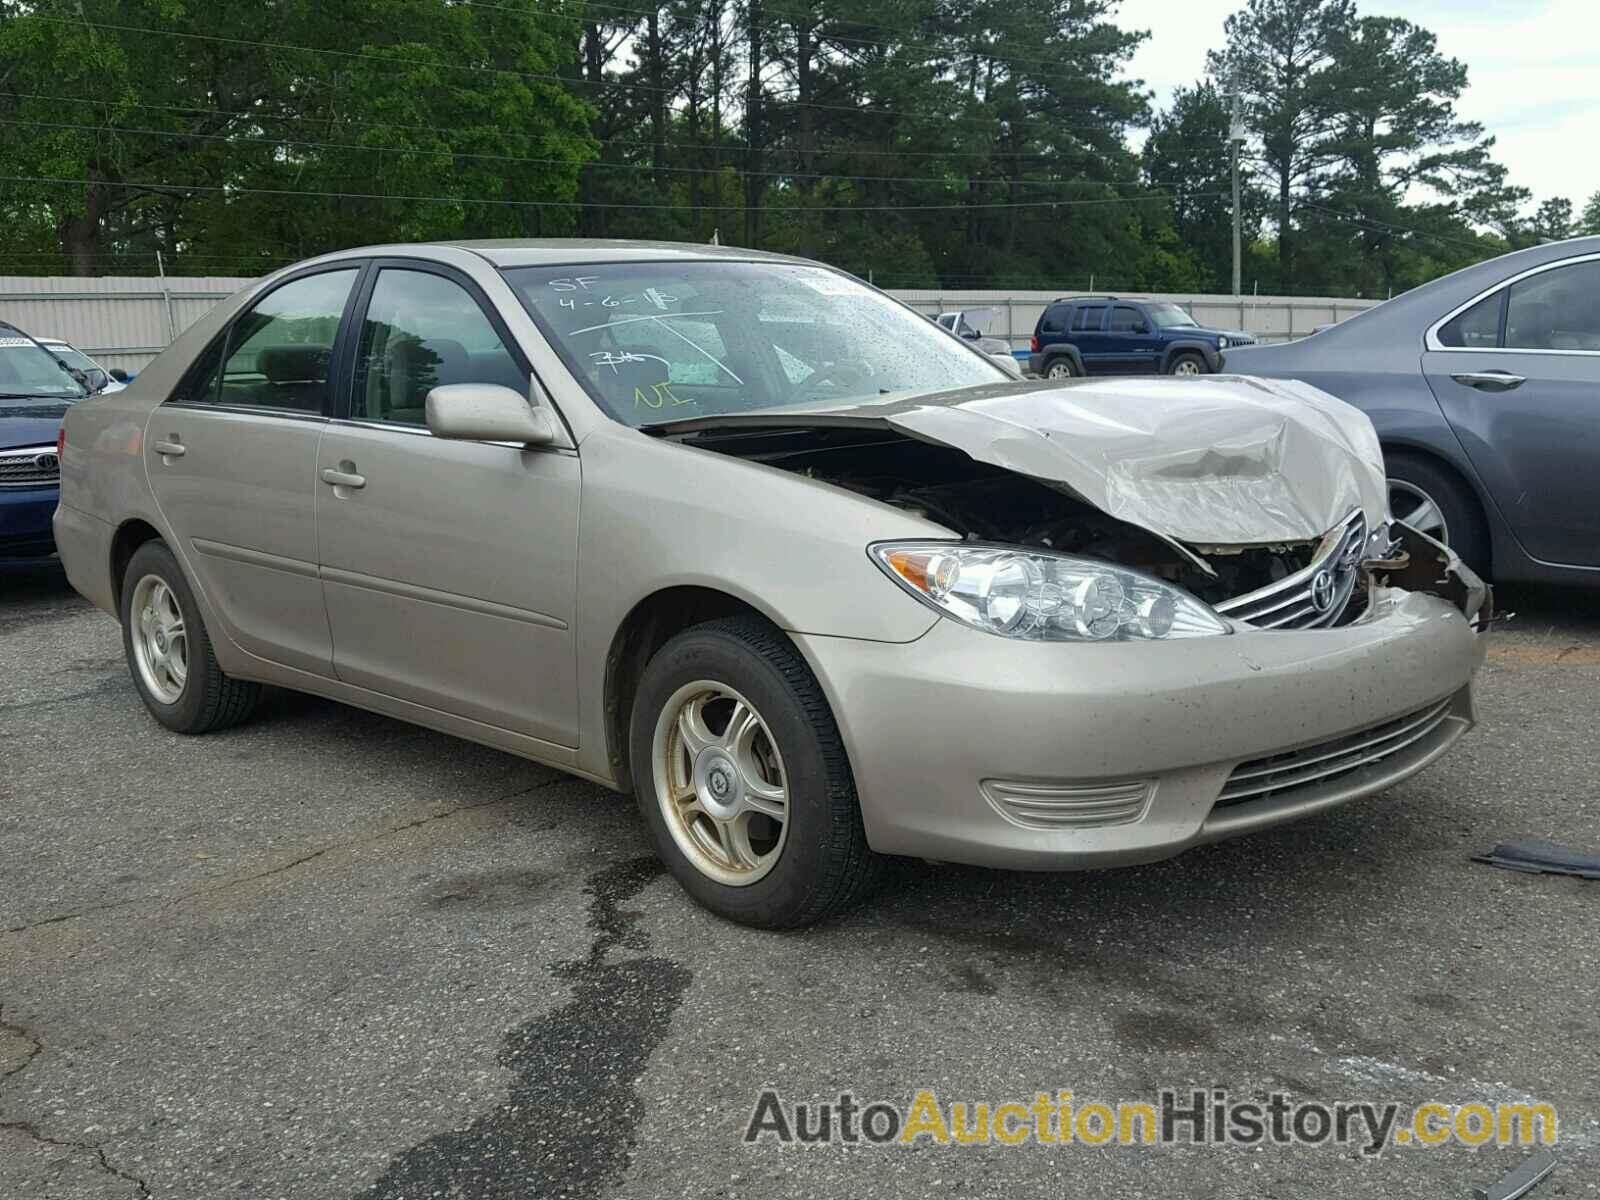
(1187, 363)
(742, 778)
(169, 651)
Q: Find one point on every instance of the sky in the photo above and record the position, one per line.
(1533, 73)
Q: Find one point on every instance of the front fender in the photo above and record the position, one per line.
(1206, 350)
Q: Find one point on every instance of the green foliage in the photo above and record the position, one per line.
(957, 143)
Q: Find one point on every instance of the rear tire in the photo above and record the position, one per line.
(1429, 496)
(1187, 363)
(693, 774)
(169, 651)
(1060, 368)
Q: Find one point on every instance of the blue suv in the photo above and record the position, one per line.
(35, 389)
(1107, 335)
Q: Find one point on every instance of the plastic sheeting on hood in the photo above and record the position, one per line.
(1209, 460)
(1215, 459)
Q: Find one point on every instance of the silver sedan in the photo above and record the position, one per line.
(814, 580)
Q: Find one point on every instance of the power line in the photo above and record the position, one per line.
(1374, 225)
(159, 187)
(728, 148)
(563, 80)
(419, 151)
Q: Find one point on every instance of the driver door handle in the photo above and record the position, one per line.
(1490, 381)
(343, 478)
(169, 449)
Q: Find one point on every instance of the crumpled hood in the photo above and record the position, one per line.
(1210, 459)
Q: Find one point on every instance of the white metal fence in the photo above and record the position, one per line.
(1269, 318)
(125, 321)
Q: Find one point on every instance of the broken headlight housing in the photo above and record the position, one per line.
(1043, 597)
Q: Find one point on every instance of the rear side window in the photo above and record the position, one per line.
(1476, 328)
(1088, 316)
(1555, 310)
(1126, 319)
(1055, 318)
(423, 331)
(280, 352)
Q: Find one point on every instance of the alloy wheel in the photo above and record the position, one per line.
(160, 644)
(1186, 366)
(720, 782)
(1059, 370)
(1416, 508)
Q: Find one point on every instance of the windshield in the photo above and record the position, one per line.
(27, 370)
(73, 357)
(667, 341)
(1168, 315)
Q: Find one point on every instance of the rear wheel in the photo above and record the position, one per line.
(1430, 498)
(1187, 363)
(169, 651)
(1060, 368)
(742, 778)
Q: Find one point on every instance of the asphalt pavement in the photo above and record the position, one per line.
(328, 954)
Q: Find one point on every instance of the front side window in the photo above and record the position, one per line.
(663, 341)
(1555, 310)
(1126, 319)
(422, 331)
(1088, 317)
(279, 354)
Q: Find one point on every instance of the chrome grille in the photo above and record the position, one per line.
(36, 466)
(1263, 777)
(1314, 596)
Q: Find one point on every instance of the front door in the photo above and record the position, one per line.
(231, 458)
(449, 568)
(1132, 346)
(1518, 377)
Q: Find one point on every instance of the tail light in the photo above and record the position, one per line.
(1033, 343)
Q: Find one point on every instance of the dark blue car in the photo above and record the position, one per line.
(1109, 335)
(35, 390)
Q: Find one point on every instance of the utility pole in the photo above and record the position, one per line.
(1235, 136)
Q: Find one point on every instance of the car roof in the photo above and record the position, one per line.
(539, 252)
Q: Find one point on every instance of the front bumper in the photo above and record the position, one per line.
(955, 738)
(25, 521)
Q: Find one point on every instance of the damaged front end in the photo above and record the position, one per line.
(1266, 503)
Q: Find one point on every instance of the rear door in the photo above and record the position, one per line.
(449, 567)
(1087, 336)
(231, 458)
(1517, 374)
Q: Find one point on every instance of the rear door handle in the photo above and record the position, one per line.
(1490, 381)
(169, 449)
(343, 478)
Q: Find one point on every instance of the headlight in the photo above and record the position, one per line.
(1222, 343)
(1041, 597)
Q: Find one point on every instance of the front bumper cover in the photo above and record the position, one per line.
(928, 724)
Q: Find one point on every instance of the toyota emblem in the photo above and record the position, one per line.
(1322, 591)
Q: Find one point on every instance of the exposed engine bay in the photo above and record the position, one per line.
(988, 504)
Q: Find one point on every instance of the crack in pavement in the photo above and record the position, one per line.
(28, 1129)
(568, 1124)
(230, 884)
(36, 1047)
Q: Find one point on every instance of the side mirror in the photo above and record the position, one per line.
(119, 375)
(487, 412)
(96, 379)
(1141, 327)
